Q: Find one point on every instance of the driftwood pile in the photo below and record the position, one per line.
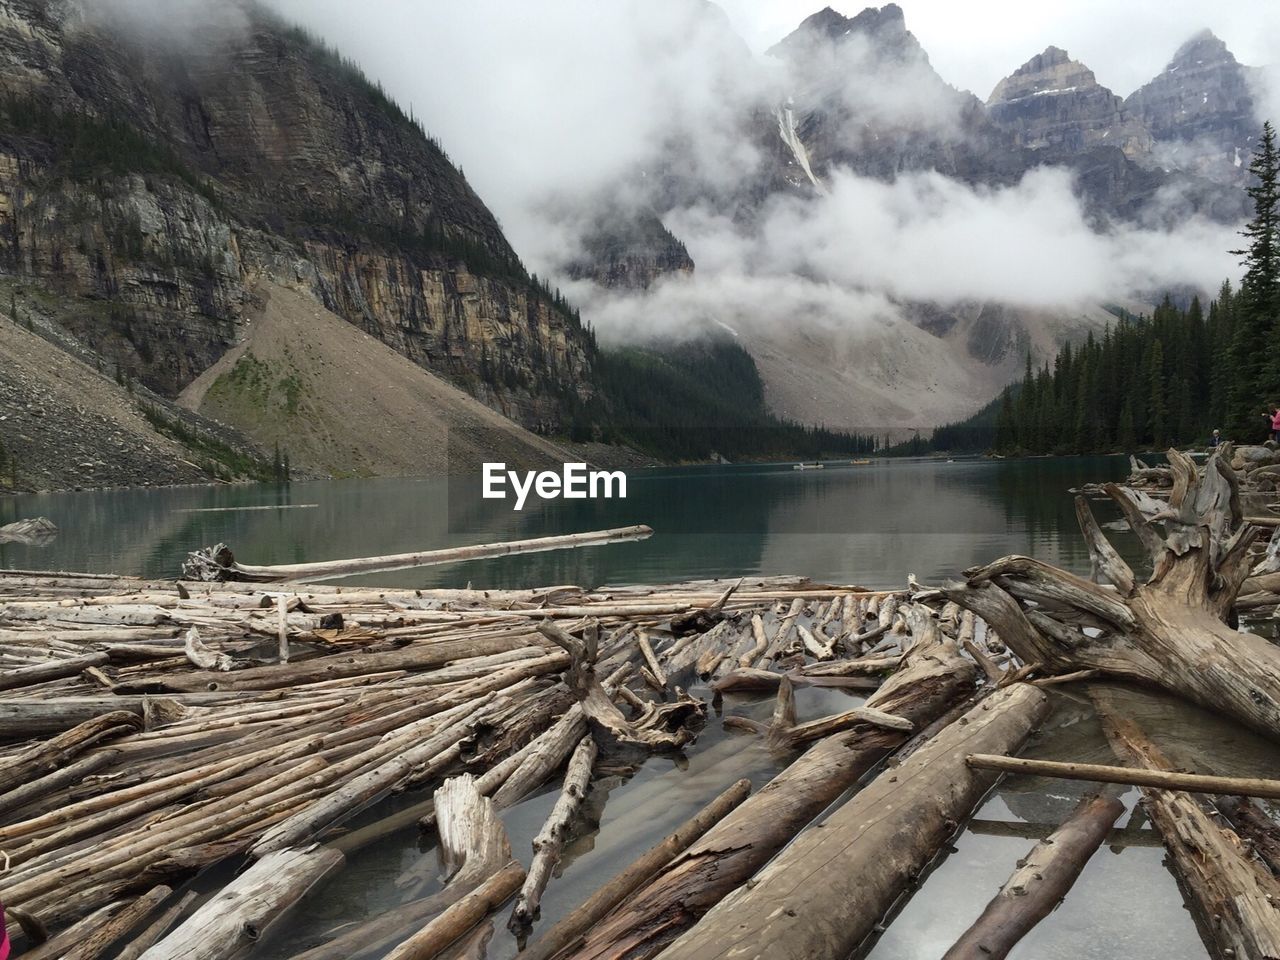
(160, 730)
(35, 531)
(1257, 470)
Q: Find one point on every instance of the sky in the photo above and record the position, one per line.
(976, 43)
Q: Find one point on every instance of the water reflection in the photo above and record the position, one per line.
(872, 524)
(1097, 920)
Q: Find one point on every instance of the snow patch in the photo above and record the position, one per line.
(787, 131)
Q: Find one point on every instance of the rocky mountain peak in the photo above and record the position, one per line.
(1201, 108)
(1054, 102)
(885, 28)
(1047, 73)
(1204, 48)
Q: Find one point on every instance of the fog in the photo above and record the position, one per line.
(565, 111)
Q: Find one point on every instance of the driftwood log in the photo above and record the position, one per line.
(233, 921)
(1101, 773)
(1234, 898)
(549, 843)
(1042, 879)
(218, 563)
(934, 678)
(866, 854)
(1170, 631)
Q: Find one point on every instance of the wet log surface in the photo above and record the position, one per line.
(1042, 879)
(1235, 898)
(861, 858)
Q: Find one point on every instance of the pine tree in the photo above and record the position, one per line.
(1157, 409)
(1256, 374)
(1006, 425)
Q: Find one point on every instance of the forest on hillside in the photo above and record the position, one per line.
(695, 400)
(1152, 382)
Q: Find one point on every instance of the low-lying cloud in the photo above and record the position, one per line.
(851, 255)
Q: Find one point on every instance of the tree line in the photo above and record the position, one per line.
(694, 400)
(1158, 381)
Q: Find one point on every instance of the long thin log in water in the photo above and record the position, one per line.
(454, 923)
(220, 565)
(549, 843)
(1042, 879)
(1100, 773)
(1233, 897)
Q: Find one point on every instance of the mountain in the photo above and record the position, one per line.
(148, 183)
(1054, 102)
(628, 252)
(859, 94)
(865, 97)
(1201, 110)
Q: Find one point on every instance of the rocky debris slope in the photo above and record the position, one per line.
(65, 425)
(299, 382)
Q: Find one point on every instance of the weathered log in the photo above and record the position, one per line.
(1042, 879)
(1254, 826)
(105, 936)
(218, 563)
(935, 676)
(1169, 631)
(158, 928)
(571, 928)
(43, 787)
(459, 918)
(53, 670)
(867, 852)
(44, 758)
(1232, 896)
(549, 843)
(233, 921)
(1100, 773)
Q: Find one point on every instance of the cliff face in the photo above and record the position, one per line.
(151, 183)
(629, 253)
(1200, 110)
(1052, 101)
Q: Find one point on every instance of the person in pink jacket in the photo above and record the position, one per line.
(1274, 416)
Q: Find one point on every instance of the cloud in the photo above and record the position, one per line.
(851, 256)
(174, 23)
(540, 101)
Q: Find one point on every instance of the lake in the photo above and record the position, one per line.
(870, 525)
